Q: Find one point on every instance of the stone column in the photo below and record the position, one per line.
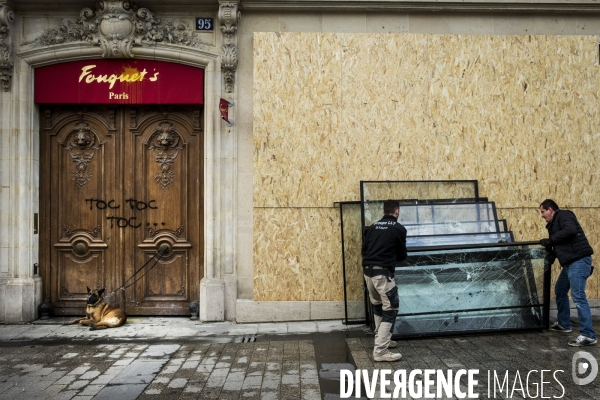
(218, 289)
(20, 290)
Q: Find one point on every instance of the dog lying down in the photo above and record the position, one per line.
(99, 314)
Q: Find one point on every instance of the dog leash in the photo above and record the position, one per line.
(159, 252)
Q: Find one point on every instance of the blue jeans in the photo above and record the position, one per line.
(574, 277)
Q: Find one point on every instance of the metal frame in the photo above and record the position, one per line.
(362, 194)
(346, 319)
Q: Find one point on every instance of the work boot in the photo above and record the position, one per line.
(387, 356)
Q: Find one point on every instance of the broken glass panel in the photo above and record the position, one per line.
(456, 239)
(472, 289)
(373, 193)
(445, 219)
(464, 272)
(402, 190)
(354, 295)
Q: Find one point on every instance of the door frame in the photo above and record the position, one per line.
(119, 145)
(220, 165)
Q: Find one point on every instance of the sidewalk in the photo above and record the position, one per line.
(164, 358)
(152, 328)
(176, 358)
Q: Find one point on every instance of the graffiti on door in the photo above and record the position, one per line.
(131, 204)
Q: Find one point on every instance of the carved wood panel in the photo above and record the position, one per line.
(117, 184)
(78, 153)
(165, 152)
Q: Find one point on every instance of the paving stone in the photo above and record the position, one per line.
(121, 392)
(234, 385)
(184, 373)
(210, 393)
(79, 384)
(155, 388)
(91, 390)
(189, 396)
(138, 372)
(171, 392)
(177, 383)
(67, 395)
(268, 395)
(80, 370)
(236, 376)
(271, 384)
(199, 377)
(229, 394)
(250, 395)
(66, 380)
(193, 388)
(51, 391)
(310, 391)
(216, 381)
(252, 382)
(90, 375)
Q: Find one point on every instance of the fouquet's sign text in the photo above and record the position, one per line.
(119, 82)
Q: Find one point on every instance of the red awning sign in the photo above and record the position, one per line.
(119, 82)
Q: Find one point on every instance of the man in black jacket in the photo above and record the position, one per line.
(568, 243)
(384, 244)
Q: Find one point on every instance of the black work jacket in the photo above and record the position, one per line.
(384, 243)
(569, 243)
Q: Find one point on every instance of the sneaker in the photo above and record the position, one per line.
(583, 341)
(388, 356)
(556, 327)
(392, 345)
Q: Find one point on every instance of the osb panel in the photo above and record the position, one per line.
(517, 113)
(297, 255)
(527, 225)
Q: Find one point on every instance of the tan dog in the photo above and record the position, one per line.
(99, 314)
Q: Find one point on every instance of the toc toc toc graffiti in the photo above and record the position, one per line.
(120, 221)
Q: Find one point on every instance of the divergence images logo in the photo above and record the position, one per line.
(584, 364)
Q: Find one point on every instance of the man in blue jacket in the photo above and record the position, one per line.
(568, 243)
(384, 244)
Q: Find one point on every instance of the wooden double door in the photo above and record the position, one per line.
(120, 188)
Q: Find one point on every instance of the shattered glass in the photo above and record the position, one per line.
(464, 272)
(459, 290)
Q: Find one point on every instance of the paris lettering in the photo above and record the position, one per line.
(131, 204)
(118, 96)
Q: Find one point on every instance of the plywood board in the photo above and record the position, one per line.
(297, 255)
(517, 113)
